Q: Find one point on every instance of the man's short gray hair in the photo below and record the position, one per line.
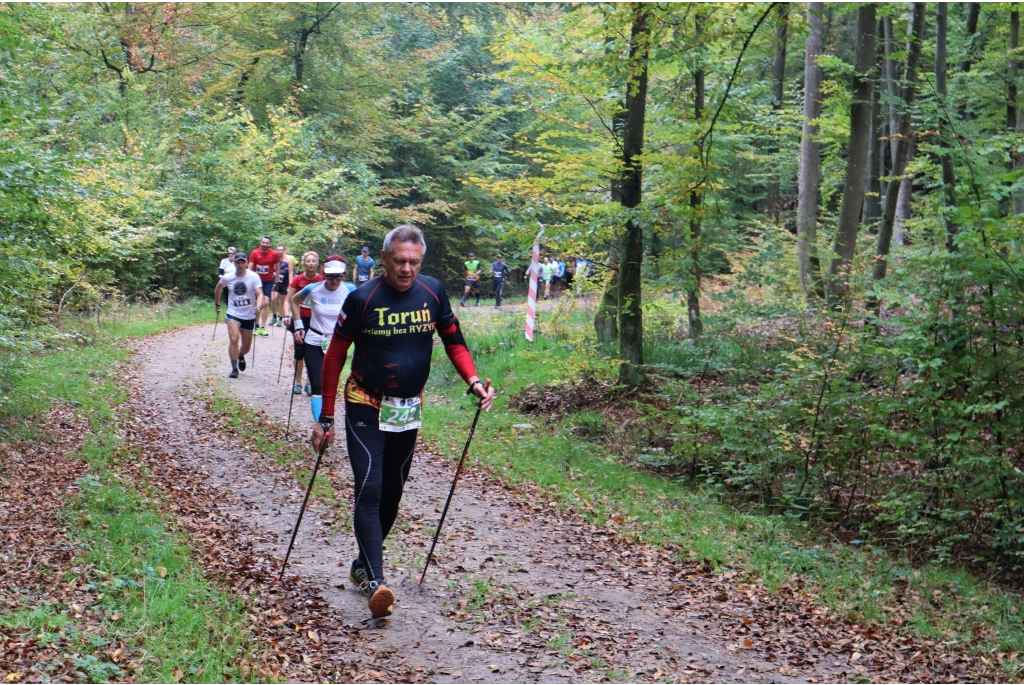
(405, 233)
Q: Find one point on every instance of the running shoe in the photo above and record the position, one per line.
(380, 599)
(297, 389)
(241, 363)
(233, 374)
(357, 574)
(308, 389)
(262, 331)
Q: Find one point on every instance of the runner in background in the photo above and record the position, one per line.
(324, 299)
(264, 262)
(546, 272)
(286, 270)
(310, 262)
(364, 270)
(227, 265)
(560, 273)
(245, 300)
(499, 269)
(473, 270)
(391, 320)
(580, 274)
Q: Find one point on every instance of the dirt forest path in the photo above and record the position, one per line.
(520, 592)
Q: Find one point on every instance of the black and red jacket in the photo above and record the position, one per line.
(393, 335)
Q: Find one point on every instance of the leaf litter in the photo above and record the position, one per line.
(621, 609)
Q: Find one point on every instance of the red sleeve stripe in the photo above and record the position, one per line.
(433, 294)
(367, 305)
(450, 329)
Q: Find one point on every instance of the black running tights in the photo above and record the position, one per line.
(314, 356)
(380, 463)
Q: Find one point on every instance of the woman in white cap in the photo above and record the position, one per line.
(324, 299)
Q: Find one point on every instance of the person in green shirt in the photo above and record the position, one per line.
(547, 270)
(473, 270)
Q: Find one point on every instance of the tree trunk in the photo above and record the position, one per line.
(1018, 160)
(696, 324)
(945, 131)
(873, 199)
(778, 87)
(890, 68)
(908, 93)
(1011, 73)
(631, 330)
(973, 10)
(904, 201)
(810, 160)
(857, 156)
(606, 320)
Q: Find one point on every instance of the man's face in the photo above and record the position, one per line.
(241, 265)
(280, 249)
(265, 244)
(366, 254)
(402, 264)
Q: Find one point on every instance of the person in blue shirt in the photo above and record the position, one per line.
(560, 273)
(500, 271)
(364, 270)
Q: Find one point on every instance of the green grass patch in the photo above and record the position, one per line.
(945, 603)
(149, 591)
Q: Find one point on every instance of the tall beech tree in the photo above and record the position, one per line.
(696, 198)
(857, 155)
(908, 93)
(778, 88)
(945, 131)
(631, 329)
(810, 159)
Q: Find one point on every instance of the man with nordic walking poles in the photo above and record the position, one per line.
(391, 321)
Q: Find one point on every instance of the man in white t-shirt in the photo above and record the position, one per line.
(245, 299)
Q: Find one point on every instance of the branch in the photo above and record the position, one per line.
(68, 292)
(319, 20)
(732, 78)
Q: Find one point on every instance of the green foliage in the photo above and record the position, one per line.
(609, 470)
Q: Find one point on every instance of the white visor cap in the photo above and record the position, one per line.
(334, 268)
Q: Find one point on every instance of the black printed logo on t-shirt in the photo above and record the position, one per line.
(240, 288)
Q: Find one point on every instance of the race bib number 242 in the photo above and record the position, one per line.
(398, 414)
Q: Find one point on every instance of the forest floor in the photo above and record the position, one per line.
(519, 591)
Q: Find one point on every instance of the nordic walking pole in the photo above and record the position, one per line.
(216, 322)
(254, 336)
(281, 365)
(458, 470)
(288, 427)
(316, 467)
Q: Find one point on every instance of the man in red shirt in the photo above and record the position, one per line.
(266, 263)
